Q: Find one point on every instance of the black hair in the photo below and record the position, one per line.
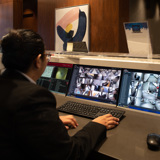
(20, 48)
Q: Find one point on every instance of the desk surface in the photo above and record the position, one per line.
(128, 140)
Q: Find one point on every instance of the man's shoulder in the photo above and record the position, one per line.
(31, 88)
(30, 93)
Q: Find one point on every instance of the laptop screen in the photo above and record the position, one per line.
(140, 90)
(56, 77)
(95, 83)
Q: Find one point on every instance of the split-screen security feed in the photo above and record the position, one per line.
(140, 90)
(95, 83)
(56, 77)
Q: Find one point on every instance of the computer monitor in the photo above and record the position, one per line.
(140, 90)
(95, 83)
(56, 77)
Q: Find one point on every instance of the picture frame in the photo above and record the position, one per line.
(71, 25)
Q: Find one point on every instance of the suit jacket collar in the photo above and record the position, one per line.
(13, 74)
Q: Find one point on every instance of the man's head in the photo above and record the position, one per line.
(23, 50)
(20, 49)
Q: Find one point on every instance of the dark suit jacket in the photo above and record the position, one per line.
(30, 127)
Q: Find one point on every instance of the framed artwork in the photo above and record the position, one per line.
(71, 25)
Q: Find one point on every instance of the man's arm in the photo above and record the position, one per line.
(42, 134)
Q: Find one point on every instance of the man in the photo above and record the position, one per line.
(30, 127)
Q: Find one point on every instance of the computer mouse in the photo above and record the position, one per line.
(153, 141)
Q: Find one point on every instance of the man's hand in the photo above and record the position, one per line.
(69, 121)
(107, 120)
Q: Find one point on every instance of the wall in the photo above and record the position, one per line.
(10, 15)
(106, 22)
(17, 14)
(30, 14)
(6, 16)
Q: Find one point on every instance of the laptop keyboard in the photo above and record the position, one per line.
(88, 111)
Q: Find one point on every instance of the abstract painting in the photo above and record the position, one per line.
(71, 25)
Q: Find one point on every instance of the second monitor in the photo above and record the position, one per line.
(95, 83)
(140, 90)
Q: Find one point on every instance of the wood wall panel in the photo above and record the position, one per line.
(10, 15)
(17, 14)
(5, 1)
(68, 3)
(104, 26)
(124, 10)
(29, 15)
(106, 29)
(6, 16)
(46, 22)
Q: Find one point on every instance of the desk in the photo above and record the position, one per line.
(128, 140)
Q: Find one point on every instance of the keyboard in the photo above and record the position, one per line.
(88, 111)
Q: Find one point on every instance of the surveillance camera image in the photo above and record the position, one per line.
(140, 89)
(96, 82)
(56, 77)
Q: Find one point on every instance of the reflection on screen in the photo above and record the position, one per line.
(56, 77)
(140, 90)
(95, 83)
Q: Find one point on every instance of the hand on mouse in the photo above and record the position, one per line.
(69, 120)
(107, 120)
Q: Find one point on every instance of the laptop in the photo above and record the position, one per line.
(95, 83)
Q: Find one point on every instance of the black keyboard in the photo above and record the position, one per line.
(89, 111)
